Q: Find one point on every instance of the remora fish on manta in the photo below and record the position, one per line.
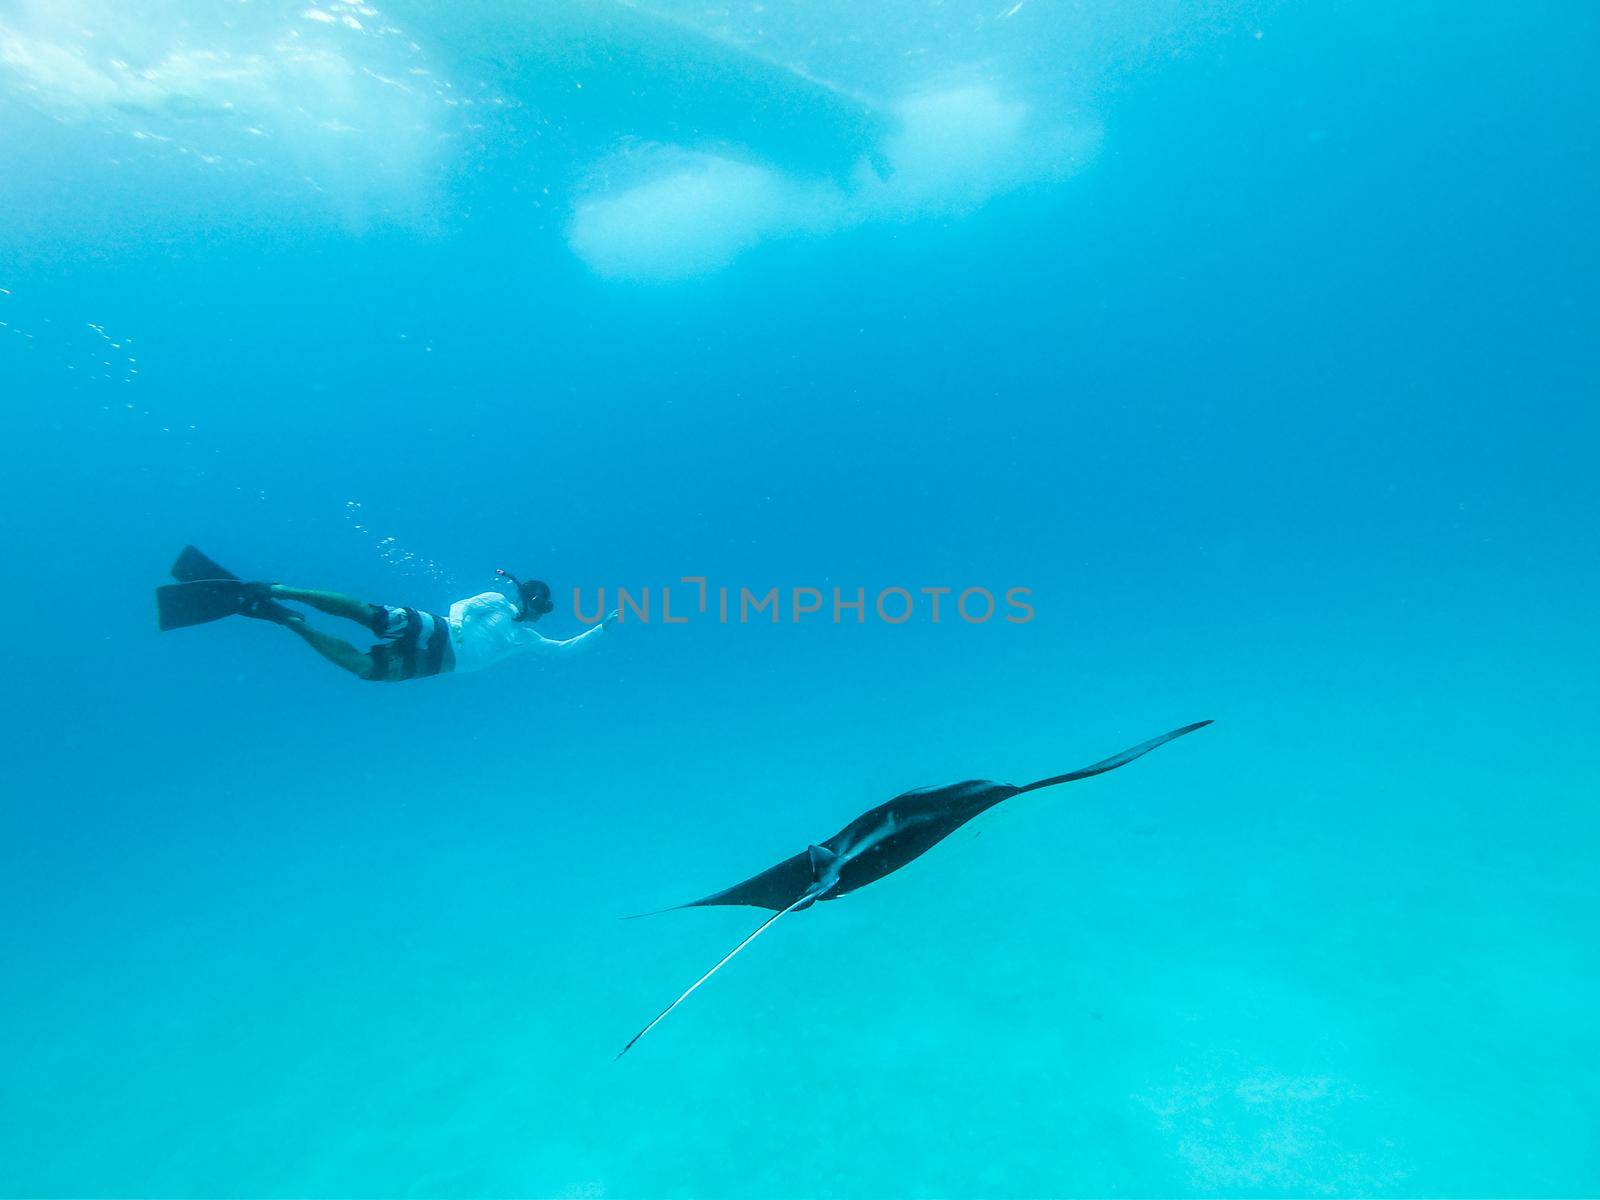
(878, 843)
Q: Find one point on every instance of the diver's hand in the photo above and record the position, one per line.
(611, 618)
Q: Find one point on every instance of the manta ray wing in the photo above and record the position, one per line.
(776, 888)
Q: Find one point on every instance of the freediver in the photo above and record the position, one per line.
(412, 644)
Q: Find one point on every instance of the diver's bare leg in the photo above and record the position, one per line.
(335, 604)
(340, 653)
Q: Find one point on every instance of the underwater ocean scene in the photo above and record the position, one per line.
(1225, 362)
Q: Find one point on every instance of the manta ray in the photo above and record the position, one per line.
(877, 843)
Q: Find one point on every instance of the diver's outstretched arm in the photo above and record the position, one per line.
(572, 645)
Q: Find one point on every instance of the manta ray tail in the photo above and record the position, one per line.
(1116, 760)
(810, 895)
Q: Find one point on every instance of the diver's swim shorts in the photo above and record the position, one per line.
(415, 644)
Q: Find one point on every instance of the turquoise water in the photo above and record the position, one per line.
(1254, 340)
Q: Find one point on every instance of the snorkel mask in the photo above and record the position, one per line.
(533, 595)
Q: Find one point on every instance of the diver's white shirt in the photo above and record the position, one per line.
(484, 629)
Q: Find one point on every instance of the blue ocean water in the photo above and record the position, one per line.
(1255, 340)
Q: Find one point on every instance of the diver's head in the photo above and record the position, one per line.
(533, 597)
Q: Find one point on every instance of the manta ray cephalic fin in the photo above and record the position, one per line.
(821, 859)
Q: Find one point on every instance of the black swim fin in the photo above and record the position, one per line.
(192, 566)
(202, 600)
